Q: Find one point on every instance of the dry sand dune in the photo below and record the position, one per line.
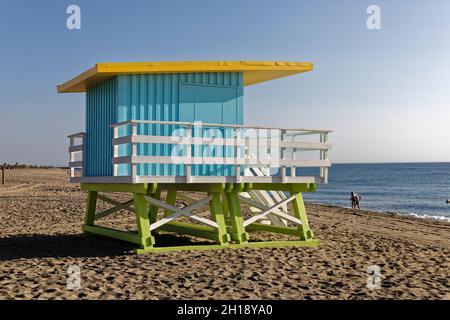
(41, 217)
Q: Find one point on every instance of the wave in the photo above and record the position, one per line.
(424, 216)
(406, 214)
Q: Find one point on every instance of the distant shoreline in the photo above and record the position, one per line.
(30, 166)
(333, 163)
(410, 215)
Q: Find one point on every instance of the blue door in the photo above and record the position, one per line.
(210, 104)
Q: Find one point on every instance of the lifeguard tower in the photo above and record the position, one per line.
(163, 128)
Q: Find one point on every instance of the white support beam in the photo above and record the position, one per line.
(276, 211)
(177, 212)
(269, 210)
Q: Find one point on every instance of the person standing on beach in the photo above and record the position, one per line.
(352, 199)
(355, 198)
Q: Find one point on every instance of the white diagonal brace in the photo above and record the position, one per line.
(197, 204)
(192, 206)
(268, 210)
(202, 220)
(177, 212)
(276, 211)
(263, 197)
(164, 220)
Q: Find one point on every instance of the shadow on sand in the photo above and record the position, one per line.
(77, 245)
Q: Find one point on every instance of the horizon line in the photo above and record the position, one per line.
(381, 162)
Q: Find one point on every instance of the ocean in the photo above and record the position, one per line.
(418, 189)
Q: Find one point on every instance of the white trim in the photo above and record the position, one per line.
(76, 135)
(205, 124)
(106, 179)
(78, 148)
(305, 145)
(248, 161)
(195, 179)
(76, 164)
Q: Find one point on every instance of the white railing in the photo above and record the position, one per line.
(275, 148)
(76, 156)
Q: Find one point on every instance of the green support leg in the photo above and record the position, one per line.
(300, 213)
(153, 210)
(170, 199)
(238, 233)
(225, 210)
(215, 206)
(90, 208)
(143, 220)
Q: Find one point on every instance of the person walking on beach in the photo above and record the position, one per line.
(355, 198)
(352, 199)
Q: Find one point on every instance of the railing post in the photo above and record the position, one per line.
(133, 151)
(71, 144)
(188, 149)
(321, 155)
(115, 151)
(325, 157)
(237, 153)
(293, 168)
(83, 154)
(282, 156)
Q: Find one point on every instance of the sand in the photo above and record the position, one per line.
(40, 221)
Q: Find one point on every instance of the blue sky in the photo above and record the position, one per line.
(384, 92)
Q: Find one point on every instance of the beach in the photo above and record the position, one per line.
(41, 215)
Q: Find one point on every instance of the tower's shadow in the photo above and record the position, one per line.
(76, 245)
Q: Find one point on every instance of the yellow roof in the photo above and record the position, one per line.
(254, 71)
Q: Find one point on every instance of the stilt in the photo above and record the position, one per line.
(238, 233)
(215, 206)
(226, 226)
(170, 199)
(300, 213)
(153, 210)
(225, 209)
(143, 221)
(90, 208)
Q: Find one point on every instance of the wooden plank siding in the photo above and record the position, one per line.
(101, 113)
(142, 97)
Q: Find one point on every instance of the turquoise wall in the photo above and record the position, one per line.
(101, 113)
(211, 104)
(157, 97)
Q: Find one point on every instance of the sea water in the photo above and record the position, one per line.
(418, 189)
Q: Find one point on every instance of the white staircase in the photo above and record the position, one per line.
(267, 198)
